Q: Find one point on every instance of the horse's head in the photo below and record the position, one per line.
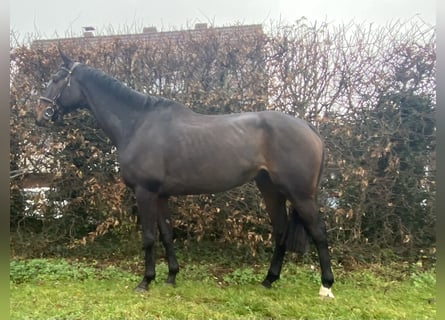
(62, 94)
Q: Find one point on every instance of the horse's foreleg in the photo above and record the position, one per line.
(148, 214)
(166, 232)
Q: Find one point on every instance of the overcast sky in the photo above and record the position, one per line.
(50, 18)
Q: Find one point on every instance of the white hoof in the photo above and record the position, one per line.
(326, 293)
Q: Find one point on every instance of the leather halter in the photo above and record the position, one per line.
(54, 108)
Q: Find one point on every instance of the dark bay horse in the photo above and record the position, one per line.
(165, 149)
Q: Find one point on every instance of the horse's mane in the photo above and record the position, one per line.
(120, 90)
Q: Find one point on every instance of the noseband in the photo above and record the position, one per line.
(52, 109)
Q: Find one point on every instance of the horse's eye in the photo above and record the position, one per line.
(54, 79)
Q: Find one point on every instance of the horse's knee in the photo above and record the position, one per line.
(148, 241)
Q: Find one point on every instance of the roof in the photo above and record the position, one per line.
(150, 34)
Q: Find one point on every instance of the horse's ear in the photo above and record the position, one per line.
(66, 61)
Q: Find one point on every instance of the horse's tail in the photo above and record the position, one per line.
(320, 172)
(298, 239)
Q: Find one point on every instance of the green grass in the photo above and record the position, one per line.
(70, 289)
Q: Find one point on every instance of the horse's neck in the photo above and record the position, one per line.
(115, 114)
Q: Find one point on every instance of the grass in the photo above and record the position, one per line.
(73, 289)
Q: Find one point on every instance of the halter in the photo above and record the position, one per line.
(52, 109)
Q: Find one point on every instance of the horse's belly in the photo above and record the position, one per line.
(205, 181)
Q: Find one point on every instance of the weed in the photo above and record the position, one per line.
(243, 277)
(424, 279)
(61, 289)
(23, 271)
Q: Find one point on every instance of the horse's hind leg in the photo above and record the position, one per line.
(315, 226)
(276, 207)
(166, 233)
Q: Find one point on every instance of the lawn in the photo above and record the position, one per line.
(73, 289)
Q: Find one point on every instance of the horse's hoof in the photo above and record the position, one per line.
(326, 293)
(266, 284)
(171, 280)
(170, 284)
(140, 289)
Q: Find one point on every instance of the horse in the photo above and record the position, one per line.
(165, 149)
